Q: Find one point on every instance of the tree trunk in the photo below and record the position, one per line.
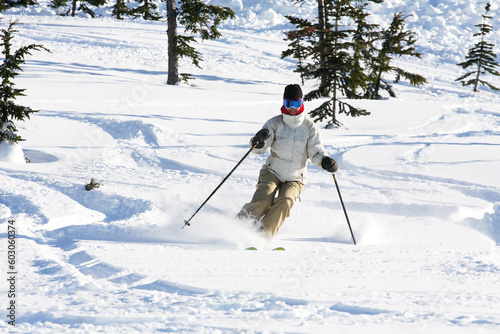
(118, 10)
(335, 74)
(73, 8)
(173, 64)
(377, 85)
(322, 52)
(476, 83)
(479, 64)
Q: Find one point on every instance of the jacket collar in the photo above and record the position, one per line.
(293, 121)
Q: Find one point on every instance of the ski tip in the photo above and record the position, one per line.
(251, 248)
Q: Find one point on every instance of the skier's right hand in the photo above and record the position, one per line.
(259, 140)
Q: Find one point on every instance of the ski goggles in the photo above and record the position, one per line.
(292, 103)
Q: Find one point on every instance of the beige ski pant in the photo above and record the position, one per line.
(265, 205)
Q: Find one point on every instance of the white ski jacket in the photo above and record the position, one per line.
(293, 140)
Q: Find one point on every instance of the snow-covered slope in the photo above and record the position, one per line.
(419, 178)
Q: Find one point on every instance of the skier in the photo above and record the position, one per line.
(292, 138)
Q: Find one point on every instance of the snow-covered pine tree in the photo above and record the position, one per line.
(9, 70)
(397, 41)
(481, 56)
(197, 18)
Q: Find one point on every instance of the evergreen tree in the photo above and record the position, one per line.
(341, 72)
(300, 46)
(9, 70)
(83, 6)
(339, 64)
(315, 36)
(481, 56)
(6, 4)
(57, 4)
(148, 10)
(120, 9)
(26, 3)
(197, 18)
(363, 49)
(348, 55)
(396, 42)
(335, 50)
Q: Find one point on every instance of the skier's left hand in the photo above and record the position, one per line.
(329, 164)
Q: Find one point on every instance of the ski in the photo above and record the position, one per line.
(274, 249)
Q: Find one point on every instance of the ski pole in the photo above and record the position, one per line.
(343, 207)
(187, 222)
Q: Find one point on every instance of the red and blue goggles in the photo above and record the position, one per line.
(292, 103)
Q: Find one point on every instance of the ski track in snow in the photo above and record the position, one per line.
(417, 177)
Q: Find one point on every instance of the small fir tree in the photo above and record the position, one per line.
(148, 10)
(58, 4)
(9, 70)
(4, 5)
(27, 3)
(481, 56)
(348, 55)
(84, 6)
(363, 48)
(120, 9)
(396, 42)
(14, 3)
(300, 46)
(334, 51)
(338, 65)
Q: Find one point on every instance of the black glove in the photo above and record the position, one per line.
(329, 164)
(259, 140)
